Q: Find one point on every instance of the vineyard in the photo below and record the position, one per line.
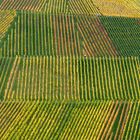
(98, 120)
(64, 78)
(39, 34)
(6, 17)
(69, 69)
(117, 32)
(129, 8)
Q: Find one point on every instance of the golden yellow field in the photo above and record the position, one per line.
(6, 17)
(129, 8)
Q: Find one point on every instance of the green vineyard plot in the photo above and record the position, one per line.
(125, 34)
(64, 78)
(96, 41)
(39, 34)
(69, 120)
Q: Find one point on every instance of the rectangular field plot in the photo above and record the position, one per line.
(124, 33)
(40, 34)
(63, 78)
(69, 120)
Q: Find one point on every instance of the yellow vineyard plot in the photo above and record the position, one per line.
(129, 8)
(6, 17)
(83, 7)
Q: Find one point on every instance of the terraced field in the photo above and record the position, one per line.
(69, 69)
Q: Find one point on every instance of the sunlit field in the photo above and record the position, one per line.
(69, 69)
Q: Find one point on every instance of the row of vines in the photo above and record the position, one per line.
(64, 78)
(68, 72)
(6, 17)
(39, 34)
(42, 120)
(52, 6)
(124, 33)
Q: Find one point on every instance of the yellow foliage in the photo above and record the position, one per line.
(128, 8)
(6, 17)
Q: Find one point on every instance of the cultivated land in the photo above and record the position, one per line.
(65, 78)
(69, 69)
